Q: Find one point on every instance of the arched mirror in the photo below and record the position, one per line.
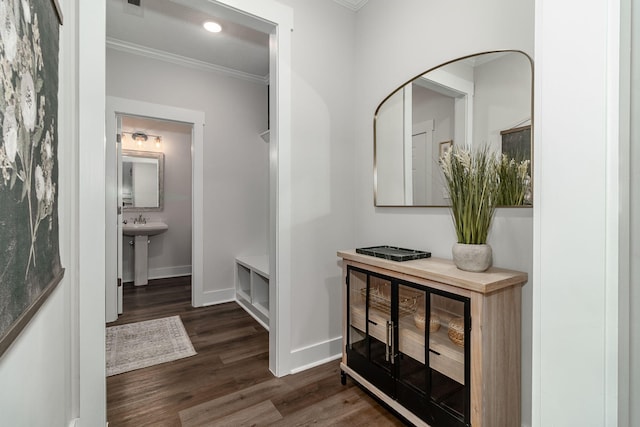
(477, 100)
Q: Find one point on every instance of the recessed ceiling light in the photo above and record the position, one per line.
(213, 27)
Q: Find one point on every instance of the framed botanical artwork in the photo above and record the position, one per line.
(30, 266)
(444, 146)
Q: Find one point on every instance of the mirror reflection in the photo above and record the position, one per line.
(478, 100)
(142, 180)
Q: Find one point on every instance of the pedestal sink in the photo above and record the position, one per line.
(141, 233)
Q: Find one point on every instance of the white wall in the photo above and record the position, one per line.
(390, 139)
(36, 370)
(46, 377)
(169, 252)
(321, 177)
(398, 40)
(502, 98)
(235, 157)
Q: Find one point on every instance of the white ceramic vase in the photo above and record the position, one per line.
(472, 257)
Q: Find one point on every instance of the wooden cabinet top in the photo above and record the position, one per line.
(444, 271)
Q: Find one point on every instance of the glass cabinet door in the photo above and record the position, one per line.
(412, 360)
(432, 380)
(449, 358)
(370, 345)
(412, 343)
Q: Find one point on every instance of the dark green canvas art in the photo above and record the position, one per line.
(29, 250)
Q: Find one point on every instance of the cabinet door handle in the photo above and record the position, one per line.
(389, 351)
(393, 345)
(371, 321)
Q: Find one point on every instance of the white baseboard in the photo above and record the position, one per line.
(160, 273)
(316, 354)
(165, 272)
(218, 297)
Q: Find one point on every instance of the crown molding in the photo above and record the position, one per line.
(160, 55)
(354, 5)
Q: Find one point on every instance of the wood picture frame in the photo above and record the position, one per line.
(516, 143)
(30, 268)
(444, 146)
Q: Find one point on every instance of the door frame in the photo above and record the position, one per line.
(278, 18)
(116, 106)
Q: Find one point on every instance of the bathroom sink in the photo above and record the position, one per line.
(148, 229)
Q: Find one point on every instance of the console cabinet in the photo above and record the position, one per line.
(438, 345)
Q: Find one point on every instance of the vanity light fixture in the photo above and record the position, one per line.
(212, 27)
(140, 138)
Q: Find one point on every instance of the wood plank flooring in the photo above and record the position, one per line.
(228, 382)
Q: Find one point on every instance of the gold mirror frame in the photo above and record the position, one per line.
(377, 202)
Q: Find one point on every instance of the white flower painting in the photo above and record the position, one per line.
(29, 252)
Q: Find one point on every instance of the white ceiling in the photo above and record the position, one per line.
(354, 5)
(171, 29)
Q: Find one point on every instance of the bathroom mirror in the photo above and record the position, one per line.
(142, 181)
(477, 100)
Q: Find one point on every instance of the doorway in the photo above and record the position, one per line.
(154, 189)
(164, 117)
(276, 20)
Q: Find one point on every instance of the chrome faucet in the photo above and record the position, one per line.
(140, 220)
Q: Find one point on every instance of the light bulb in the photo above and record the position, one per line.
(212, 27)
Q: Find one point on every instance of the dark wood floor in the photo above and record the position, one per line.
(228, 382)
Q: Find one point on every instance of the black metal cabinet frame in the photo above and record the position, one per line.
(373, 347)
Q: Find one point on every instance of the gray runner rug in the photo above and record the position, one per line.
(143, 344)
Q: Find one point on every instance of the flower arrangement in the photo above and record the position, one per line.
(472, 183)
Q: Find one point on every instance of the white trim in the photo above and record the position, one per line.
(354, 5)
(626, 226)
(317, 363)
(166, 272)
(90, 204)
(124, 106)
(161, 273)
(614, 216)
(136, 49)
(315, 354)
(279, 173)
(219, 296)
